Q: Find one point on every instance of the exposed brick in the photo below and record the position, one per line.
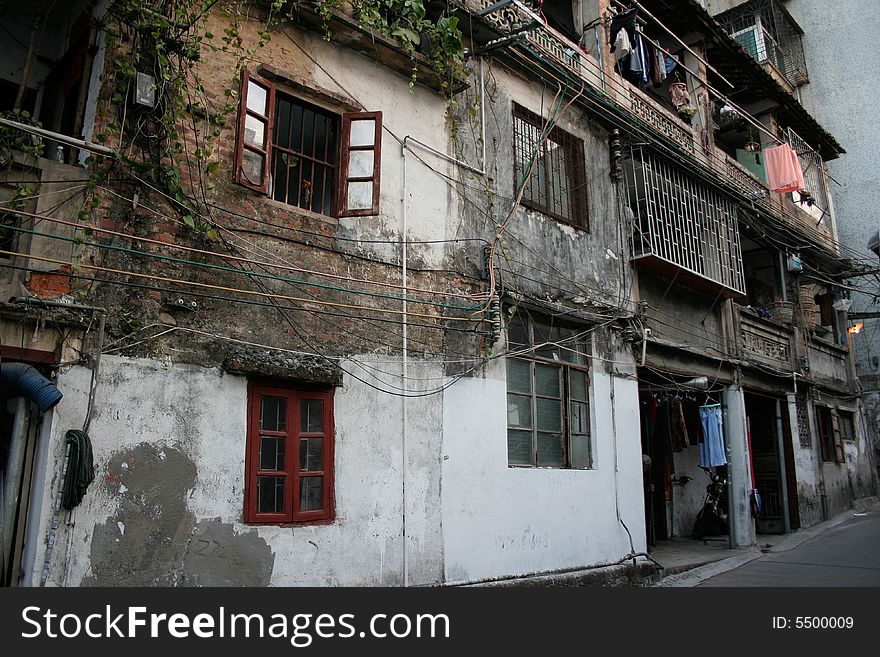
(50, 285)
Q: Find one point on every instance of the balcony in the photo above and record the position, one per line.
(545, 51)
(768, 33)
(767, 342)
(829, 363)
(682, 228)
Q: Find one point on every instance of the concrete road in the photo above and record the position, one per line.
(847, 554)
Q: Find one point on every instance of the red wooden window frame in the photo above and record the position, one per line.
(344, 179)
(345, 149)
(291, 472)
(268, 119)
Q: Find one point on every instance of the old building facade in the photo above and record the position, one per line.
(339, 295)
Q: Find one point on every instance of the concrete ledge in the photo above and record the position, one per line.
(696, 575)
(607, 576)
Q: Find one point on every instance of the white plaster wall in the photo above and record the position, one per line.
(500, 521)
(418, 112)
(203, 413)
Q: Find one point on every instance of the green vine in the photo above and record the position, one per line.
(171, 145)
(14, 139)
(408, 22)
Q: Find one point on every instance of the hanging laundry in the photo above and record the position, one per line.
(622, 45)
(678, 426)
(642, 49)
(712, 449)
(784, 172)
(658, 67)
(626, 20)
(670, 62)
(663, 435)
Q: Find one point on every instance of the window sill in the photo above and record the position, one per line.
(548, 467)
(301, 523)
(557, 218)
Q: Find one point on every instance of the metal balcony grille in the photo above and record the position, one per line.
(766, 31)
(813, 168)
(682, 222)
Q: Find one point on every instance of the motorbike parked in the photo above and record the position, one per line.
(712, 518)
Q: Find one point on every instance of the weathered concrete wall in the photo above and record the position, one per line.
(166, 505)
(500, 521)
(539, 256)
(682, 316)
(687, 499)
(829, 30)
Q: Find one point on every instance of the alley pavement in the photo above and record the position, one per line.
(840, 552)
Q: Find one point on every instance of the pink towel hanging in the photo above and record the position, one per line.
(784, 172)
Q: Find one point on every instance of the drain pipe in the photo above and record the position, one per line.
(12, 478)
(483, 114)
(404, 360)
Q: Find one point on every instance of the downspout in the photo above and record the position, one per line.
(782, 280)
(12, 478)
(404, 364)
(29, 386)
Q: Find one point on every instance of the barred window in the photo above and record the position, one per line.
(557, 183)
(548, 383)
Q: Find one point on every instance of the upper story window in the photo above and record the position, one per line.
(307, 156)
(767, 31)
(556, 184)
(289, 459)
(548, 385)
(830, 439)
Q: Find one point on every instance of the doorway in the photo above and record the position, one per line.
(772, 460)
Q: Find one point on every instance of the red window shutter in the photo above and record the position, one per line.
(253, 145)
(839, 454)
(360, 164)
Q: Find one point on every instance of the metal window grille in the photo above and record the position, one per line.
(767, 32)
(813, 168)
(803, 422)
(304, 155)
(557, 184)
(682, 221)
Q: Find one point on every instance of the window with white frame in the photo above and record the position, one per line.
(548, 384)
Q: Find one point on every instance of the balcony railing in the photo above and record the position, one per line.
(764, 341)
(828, 362)
(645, 112)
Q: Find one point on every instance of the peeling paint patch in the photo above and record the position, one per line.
(154, 540)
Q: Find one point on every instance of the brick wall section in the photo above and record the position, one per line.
(50, 285)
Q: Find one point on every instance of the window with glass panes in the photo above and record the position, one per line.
(847, 425)
(548, 385)
(305, 155)
(289, 461)
(556, 183)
